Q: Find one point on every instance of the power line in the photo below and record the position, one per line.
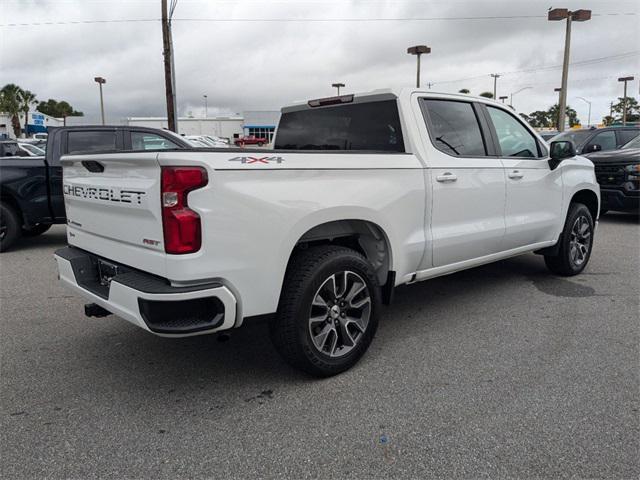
(590, 61)
(294, 20)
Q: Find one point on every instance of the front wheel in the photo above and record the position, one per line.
(9, 227)
(576, 243)
(328, 311)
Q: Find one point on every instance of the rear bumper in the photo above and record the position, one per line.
(619, 200)
(148, 301)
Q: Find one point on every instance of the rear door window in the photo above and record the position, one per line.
(625, 136)
(454, 127)
(369, 126)
(91, 141)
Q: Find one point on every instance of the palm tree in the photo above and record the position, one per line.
(27, 99)
(486, 94)
(464, 90)
(10, 104)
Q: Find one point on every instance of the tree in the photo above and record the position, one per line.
(608, 120)
(633, 110)
(486, 94)
(10, 104)
(571, 114)
(539, 119)
(464, 90)
(57, 109)
(525, 117)
(27, 99)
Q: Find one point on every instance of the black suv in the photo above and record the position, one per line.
(591, 140)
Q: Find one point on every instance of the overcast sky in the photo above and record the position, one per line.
(247, 63)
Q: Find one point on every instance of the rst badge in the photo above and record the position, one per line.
(257, 160)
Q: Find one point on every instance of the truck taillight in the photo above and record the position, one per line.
(181, 225)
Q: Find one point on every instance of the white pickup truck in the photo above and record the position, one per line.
(360, 194)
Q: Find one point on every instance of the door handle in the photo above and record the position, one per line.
(516, 175)
(447, 177)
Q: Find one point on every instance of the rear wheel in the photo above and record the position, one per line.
(328, 312)
(576, 243)
(260, 144)
(9, 227)
(36, 230)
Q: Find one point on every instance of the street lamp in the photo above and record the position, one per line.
(589, 115)
(100, 81)
(624, 98)
(516, 92)
(418, 50)
(495, 83)
(338, 86)
(205, 106)
(578, 16)
(503, 98)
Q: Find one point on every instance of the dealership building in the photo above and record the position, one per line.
(261, 123)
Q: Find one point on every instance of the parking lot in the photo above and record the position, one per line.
(501, 371)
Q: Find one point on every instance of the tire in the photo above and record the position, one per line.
(324, 340)
(37, 230)
(10, 229)
(260, 144)
(603, 211)
(576, 243)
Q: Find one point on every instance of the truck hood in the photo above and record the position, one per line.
(626, 155)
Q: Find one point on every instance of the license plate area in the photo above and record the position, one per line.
(106, 272)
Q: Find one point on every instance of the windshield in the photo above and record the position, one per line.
(635, 143)
(578, 137)
(32, 149)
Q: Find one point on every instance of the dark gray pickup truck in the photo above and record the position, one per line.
(31, 197)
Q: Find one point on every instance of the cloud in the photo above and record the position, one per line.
(264, 65)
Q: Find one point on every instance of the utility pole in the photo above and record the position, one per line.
(495, 84)
(589, 115)
(429, 85)
(578, 16)
(169, 70)
(559, 90)
(100, 81)
(418, 50)
(338, 86)
(624, 98)
(205, 106)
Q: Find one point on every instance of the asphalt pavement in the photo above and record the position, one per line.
(500, 371)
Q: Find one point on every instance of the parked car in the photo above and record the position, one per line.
(10, 148)
(591, 140)
(41, 136)
(31, 150)
(205, 141)
(618, 173)
(547, 135)
(362, 193)
(32, 198)
(250, 140)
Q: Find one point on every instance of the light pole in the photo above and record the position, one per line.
(589, 114)
(338, 86)
(578, 16)
(503, 98)
(495, 84)
(624, 98)
(418, 50)
(516, 92)
(100, 81)
(559, 90)
(205, 106)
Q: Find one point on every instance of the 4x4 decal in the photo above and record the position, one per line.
(266, 160)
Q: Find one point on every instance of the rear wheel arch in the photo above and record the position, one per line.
(363, 236)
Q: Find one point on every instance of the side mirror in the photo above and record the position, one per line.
(560, 150)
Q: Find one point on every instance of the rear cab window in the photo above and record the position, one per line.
(92, 141)
(365, 126)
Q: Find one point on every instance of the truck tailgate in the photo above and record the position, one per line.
(113, 207)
